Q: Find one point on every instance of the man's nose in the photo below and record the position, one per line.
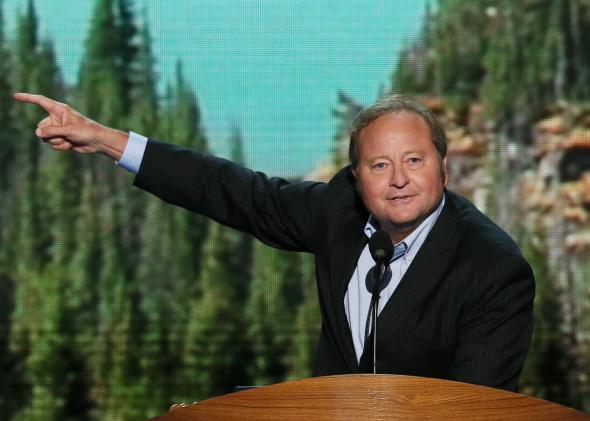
(398, 177)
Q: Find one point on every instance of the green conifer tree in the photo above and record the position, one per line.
(446, 58)
(7, 135)
(119, 324)
(547, 359)
(159, 285)
(100, 94)
(53, 366)
(42, 276)
(7, 132)
(111, 249)
(35, 68)
(274, 300)
(127, 50)
(13, 391)
(307, 326)
(217, 353)
(345, 114)
(84, 273)
(29, 232)
(11, 383)
(182, 126)
(170, 261)
(143, 92)
(415, 69)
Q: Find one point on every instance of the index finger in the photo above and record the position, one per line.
(40, 100)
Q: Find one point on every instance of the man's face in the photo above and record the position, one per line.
(400, 176)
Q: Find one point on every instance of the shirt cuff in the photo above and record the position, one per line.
(133, 153)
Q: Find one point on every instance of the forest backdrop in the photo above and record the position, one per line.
(113, 305)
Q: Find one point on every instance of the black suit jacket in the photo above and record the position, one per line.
(463, 310)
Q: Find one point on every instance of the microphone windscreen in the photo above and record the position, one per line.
(380, 246)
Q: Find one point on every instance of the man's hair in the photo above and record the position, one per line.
(391, 105)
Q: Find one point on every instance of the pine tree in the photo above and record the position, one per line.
(59, 173)
(53, 366)
(182, 123)
(274, 300)
(60, 182)
(12, 390)
(50, 207)
(159, 284)
(35, 68)
(182, 116)
(521, 60)
(144, 96)
(119, 322)
(170, 262)
(31, 234)
(543, 370)
(26, 47)
(182, 126)
(7, 136)
(103, 93)
(99, 94)
(8, 132)
(127, 50)
(345, 113)
(415, 69)
(140, 73)
(307, 325)
(153, 276)
(84, 271)
(446, 58)
(520, 57)
(216, 351)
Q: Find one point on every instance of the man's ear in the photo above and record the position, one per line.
(354, 172)
(443, 169)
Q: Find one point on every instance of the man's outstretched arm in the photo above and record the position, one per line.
(275, 211)
(66, 129)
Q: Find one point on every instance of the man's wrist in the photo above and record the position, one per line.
(112, 142)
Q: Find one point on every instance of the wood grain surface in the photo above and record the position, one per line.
(373, 397)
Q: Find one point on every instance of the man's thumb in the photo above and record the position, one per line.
(53, 131)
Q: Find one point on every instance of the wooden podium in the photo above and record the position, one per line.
(373, 397)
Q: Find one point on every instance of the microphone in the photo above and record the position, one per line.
(380, 246)
(381, 250)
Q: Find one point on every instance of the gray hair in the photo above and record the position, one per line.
(395, 104)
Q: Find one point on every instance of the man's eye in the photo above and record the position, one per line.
(414, 161)
(379, 165)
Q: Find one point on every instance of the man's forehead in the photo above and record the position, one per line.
(393, 121)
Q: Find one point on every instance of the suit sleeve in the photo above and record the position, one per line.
(496, 325)
(275, 211)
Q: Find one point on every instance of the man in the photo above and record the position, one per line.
(458, 298)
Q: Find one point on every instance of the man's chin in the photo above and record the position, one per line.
(400, 226)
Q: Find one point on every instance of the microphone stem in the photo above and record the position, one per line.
(375, 311)
(375, 300)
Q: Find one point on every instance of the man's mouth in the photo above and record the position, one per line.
(402, 198)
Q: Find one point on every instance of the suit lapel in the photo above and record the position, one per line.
(350, 244)
(426, 270)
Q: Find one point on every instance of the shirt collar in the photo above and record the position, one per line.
(372, 226)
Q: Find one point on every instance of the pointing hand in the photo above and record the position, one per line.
(65, 128)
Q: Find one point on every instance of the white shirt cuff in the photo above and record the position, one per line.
(133, 153)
